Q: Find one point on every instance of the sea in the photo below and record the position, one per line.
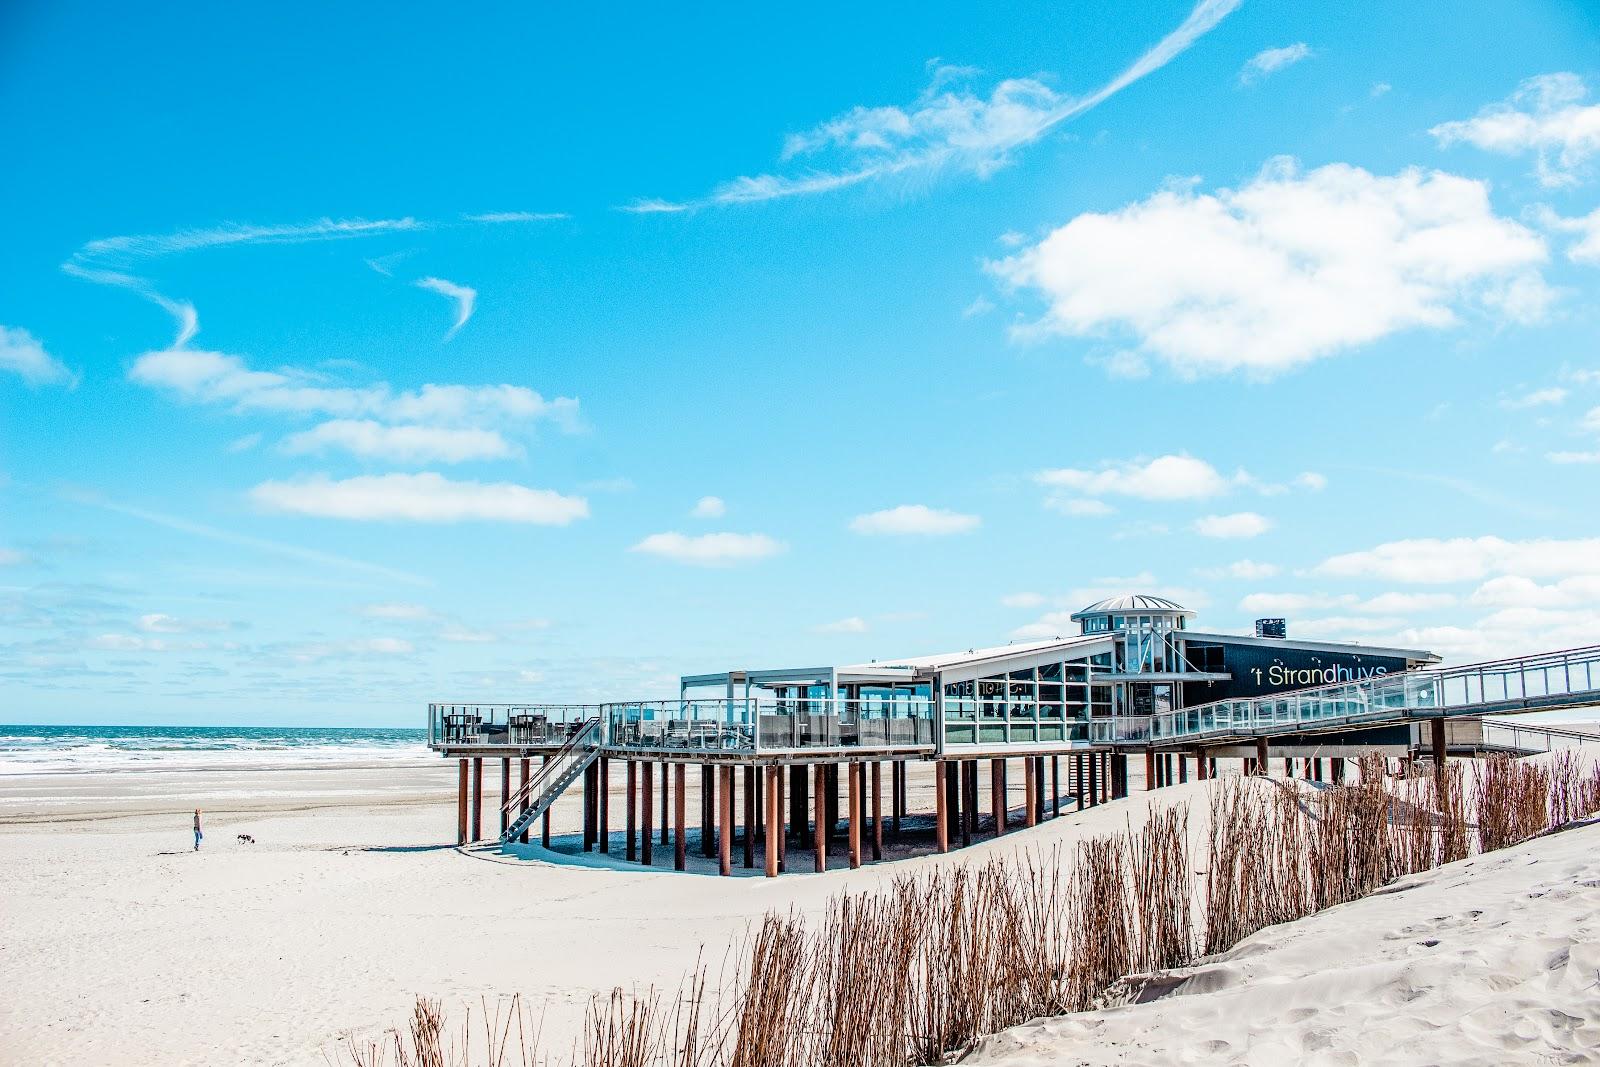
(68, 749)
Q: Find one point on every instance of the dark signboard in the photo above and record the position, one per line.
(1259, 669)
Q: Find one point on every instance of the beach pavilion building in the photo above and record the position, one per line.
(814, 745)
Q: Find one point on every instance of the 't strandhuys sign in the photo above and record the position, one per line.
(1279, 676)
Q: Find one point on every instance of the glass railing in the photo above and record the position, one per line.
(1531, 681)
(770, 725)
(506, 724)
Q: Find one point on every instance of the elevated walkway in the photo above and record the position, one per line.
(1513, 686)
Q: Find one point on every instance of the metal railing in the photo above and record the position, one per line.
(505, 724)
(754, 725)
(1522, 737)
(1519, 684)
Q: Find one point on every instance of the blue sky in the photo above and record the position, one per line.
(349, 363)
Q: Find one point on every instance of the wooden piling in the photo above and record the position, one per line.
(527, 801)
(897, 795)
(477, 798)
(605, 806)
(505, 795)
(820, 832)
(774, 823)
(854, 796)
(708, 811)
(781, 825)
(877, 810)
(1055, 787)
(544, 820)
(631, 834)
(666, 788)
(941, 826)
(461, 806)
(997, 795)
(1261, 757)
(725, 832)
(750, 818)
(1030, 812)
(647, 839)
(680, 839)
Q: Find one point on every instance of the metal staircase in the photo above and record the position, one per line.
(560, 771)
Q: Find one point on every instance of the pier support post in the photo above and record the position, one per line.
(1336, 770)
(774, 822)
(604, 799)
(1055, 787)
(1094, 779)
(969, 799)
(749, 818)
(1200, 769)
(1437, 728)
(461, 806)
(1261, 757)
(1183, 769)
(833, 801)
(1030, 815)
(997, 794)
(477, 798)
(854, 794)
(631, 834)
(1149, 769)
(708, 811)
(1078, 778)
(505, 795)
(527, 801)
(725, 833)
(647, 772)
(951, 784)
(941, 825)
(544, 820)
(780, 823)
(820, 831)
(666, 789)
(680, 840)
(591, 806)
(897, 796)
(877, 810)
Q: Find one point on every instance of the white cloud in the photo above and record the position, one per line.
(1022, 600)
(1311, 480)
(1436, 560)
(1405, 603)
(1175, 477)
(517, 216)
(218, 378)
(1586, 249)
(10, 557)
(853, 625)
(914, 519)
(24, 355)
(1270, 60)
(360, 648)
(950, 128)
(157, 623)
(709, 550)
(1079, 507)
(146, 246)
(1570, 458)
(1535, 398)
(1240, 524)
(1546, 116)
(1516, 591)
(403, 444)
(245, 443)
(709, 507)
(425, 497)
(1289, 268)
(465, 299)
(980, 306)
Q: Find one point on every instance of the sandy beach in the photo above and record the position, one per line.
(120, 944)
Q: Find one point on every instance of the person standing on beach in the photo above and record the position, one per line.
(197, 834)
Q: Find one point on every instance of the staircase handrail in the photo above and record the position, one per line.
(550, 767)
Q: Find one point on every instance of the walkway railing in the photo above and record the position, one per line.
(1522, 737)
(1526, 683)
(506, 724)
(753, 725)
